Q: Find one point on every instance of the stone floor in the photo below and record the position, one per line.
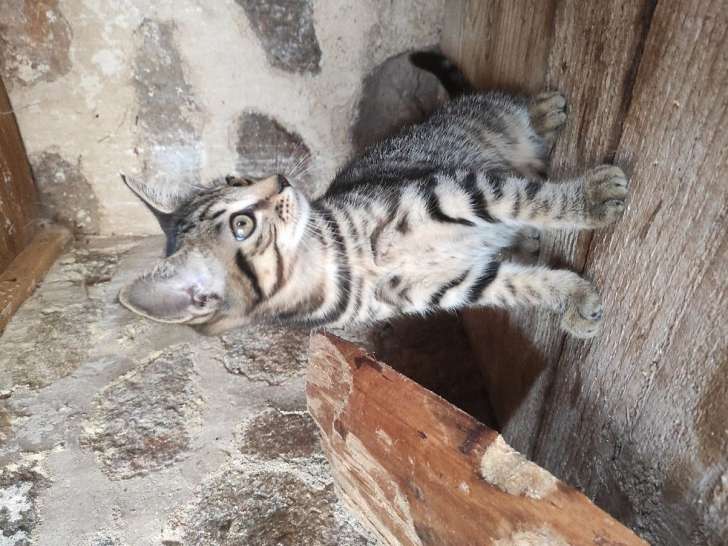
(119, 431)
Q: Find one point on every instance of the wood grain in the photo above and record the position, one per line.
(522, 347)
(18, 196)
(649, 399)
(419, 471)
(500, 43)
(28, 268)
(636, 418)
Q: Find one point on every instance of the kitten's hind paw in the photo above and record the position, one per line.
(583, 315)
(605, 193)
(548, 114)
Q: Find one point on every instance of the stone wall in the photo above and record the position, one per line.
(179, 92)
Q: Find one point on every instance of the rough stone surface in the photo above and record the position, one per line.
(66, 195)
(275, 434)
(277, 491)
(395, 94)
(35, 38)
(286, 32)
(248, 353)
(60, 314)
(265, 147)
(169, 117)
(144, 420)
(200, 450)
(20, 485)
(262, 507)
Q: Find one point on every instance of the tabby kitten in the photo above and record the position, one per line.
(421, 222)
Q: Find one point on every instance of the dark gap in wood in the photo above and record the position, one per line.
(629, 83)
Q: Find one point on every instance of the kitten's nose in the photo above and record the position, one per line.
(283, 183)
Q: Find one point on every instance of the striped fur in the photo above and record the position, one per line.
(421, 222)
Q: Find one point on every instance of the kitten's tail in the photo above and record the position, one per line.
(451, 77)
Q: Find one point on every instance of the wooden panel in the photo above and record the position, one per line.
(520, 349)
(18, 198)
(28, 268)
(420, 472)
(500, 43)
(648, 401)
(637, 417)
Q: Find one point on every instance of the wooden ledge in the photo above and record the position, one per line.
(420, 472)
(28, 268)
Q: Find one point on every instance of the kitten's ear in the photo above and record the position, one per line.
(161, 205)
(185, 288)
(158, 201)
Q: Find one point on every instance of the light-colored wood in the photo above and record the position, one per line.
(597, 79)
(496, 42)
(648, 400)
(420, 472)
(635, 418)
(28, 268)
(18, 196)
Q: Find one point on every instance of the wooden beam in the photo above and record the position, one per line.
(18, 195)
(420, 472)
(28, 268)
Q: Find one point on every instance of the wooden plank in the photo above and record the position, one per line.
(636, 418)
(520, 349)
(648, 400)
(18, 196)
(28, 268)
(419, 471)
(500, 43)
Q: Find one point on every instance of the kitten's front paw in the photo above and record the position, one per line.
(605, 193)
(548, 114)
(583, 315)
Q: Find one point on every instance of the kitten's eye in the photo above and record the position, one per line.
(242, 225)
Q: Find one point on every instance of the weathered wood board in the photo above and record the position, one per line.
(636, 418)
(28, 268)
(18, 196)
(419, 471)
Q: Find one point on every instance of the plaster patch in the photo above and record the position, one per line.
(109, 61)
(505, 468)
(169, 117)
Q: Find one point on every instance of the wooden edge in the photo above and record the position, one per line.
(418, 471)
(28, 268)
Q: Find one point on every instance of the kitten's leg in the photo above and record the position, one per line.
(560, 290)
(548, 114)
(593, 200)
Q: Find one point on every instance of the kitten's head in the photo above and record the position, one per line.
(229, 250)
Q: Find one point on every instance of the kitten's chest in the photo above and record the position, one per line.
(433, 246)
